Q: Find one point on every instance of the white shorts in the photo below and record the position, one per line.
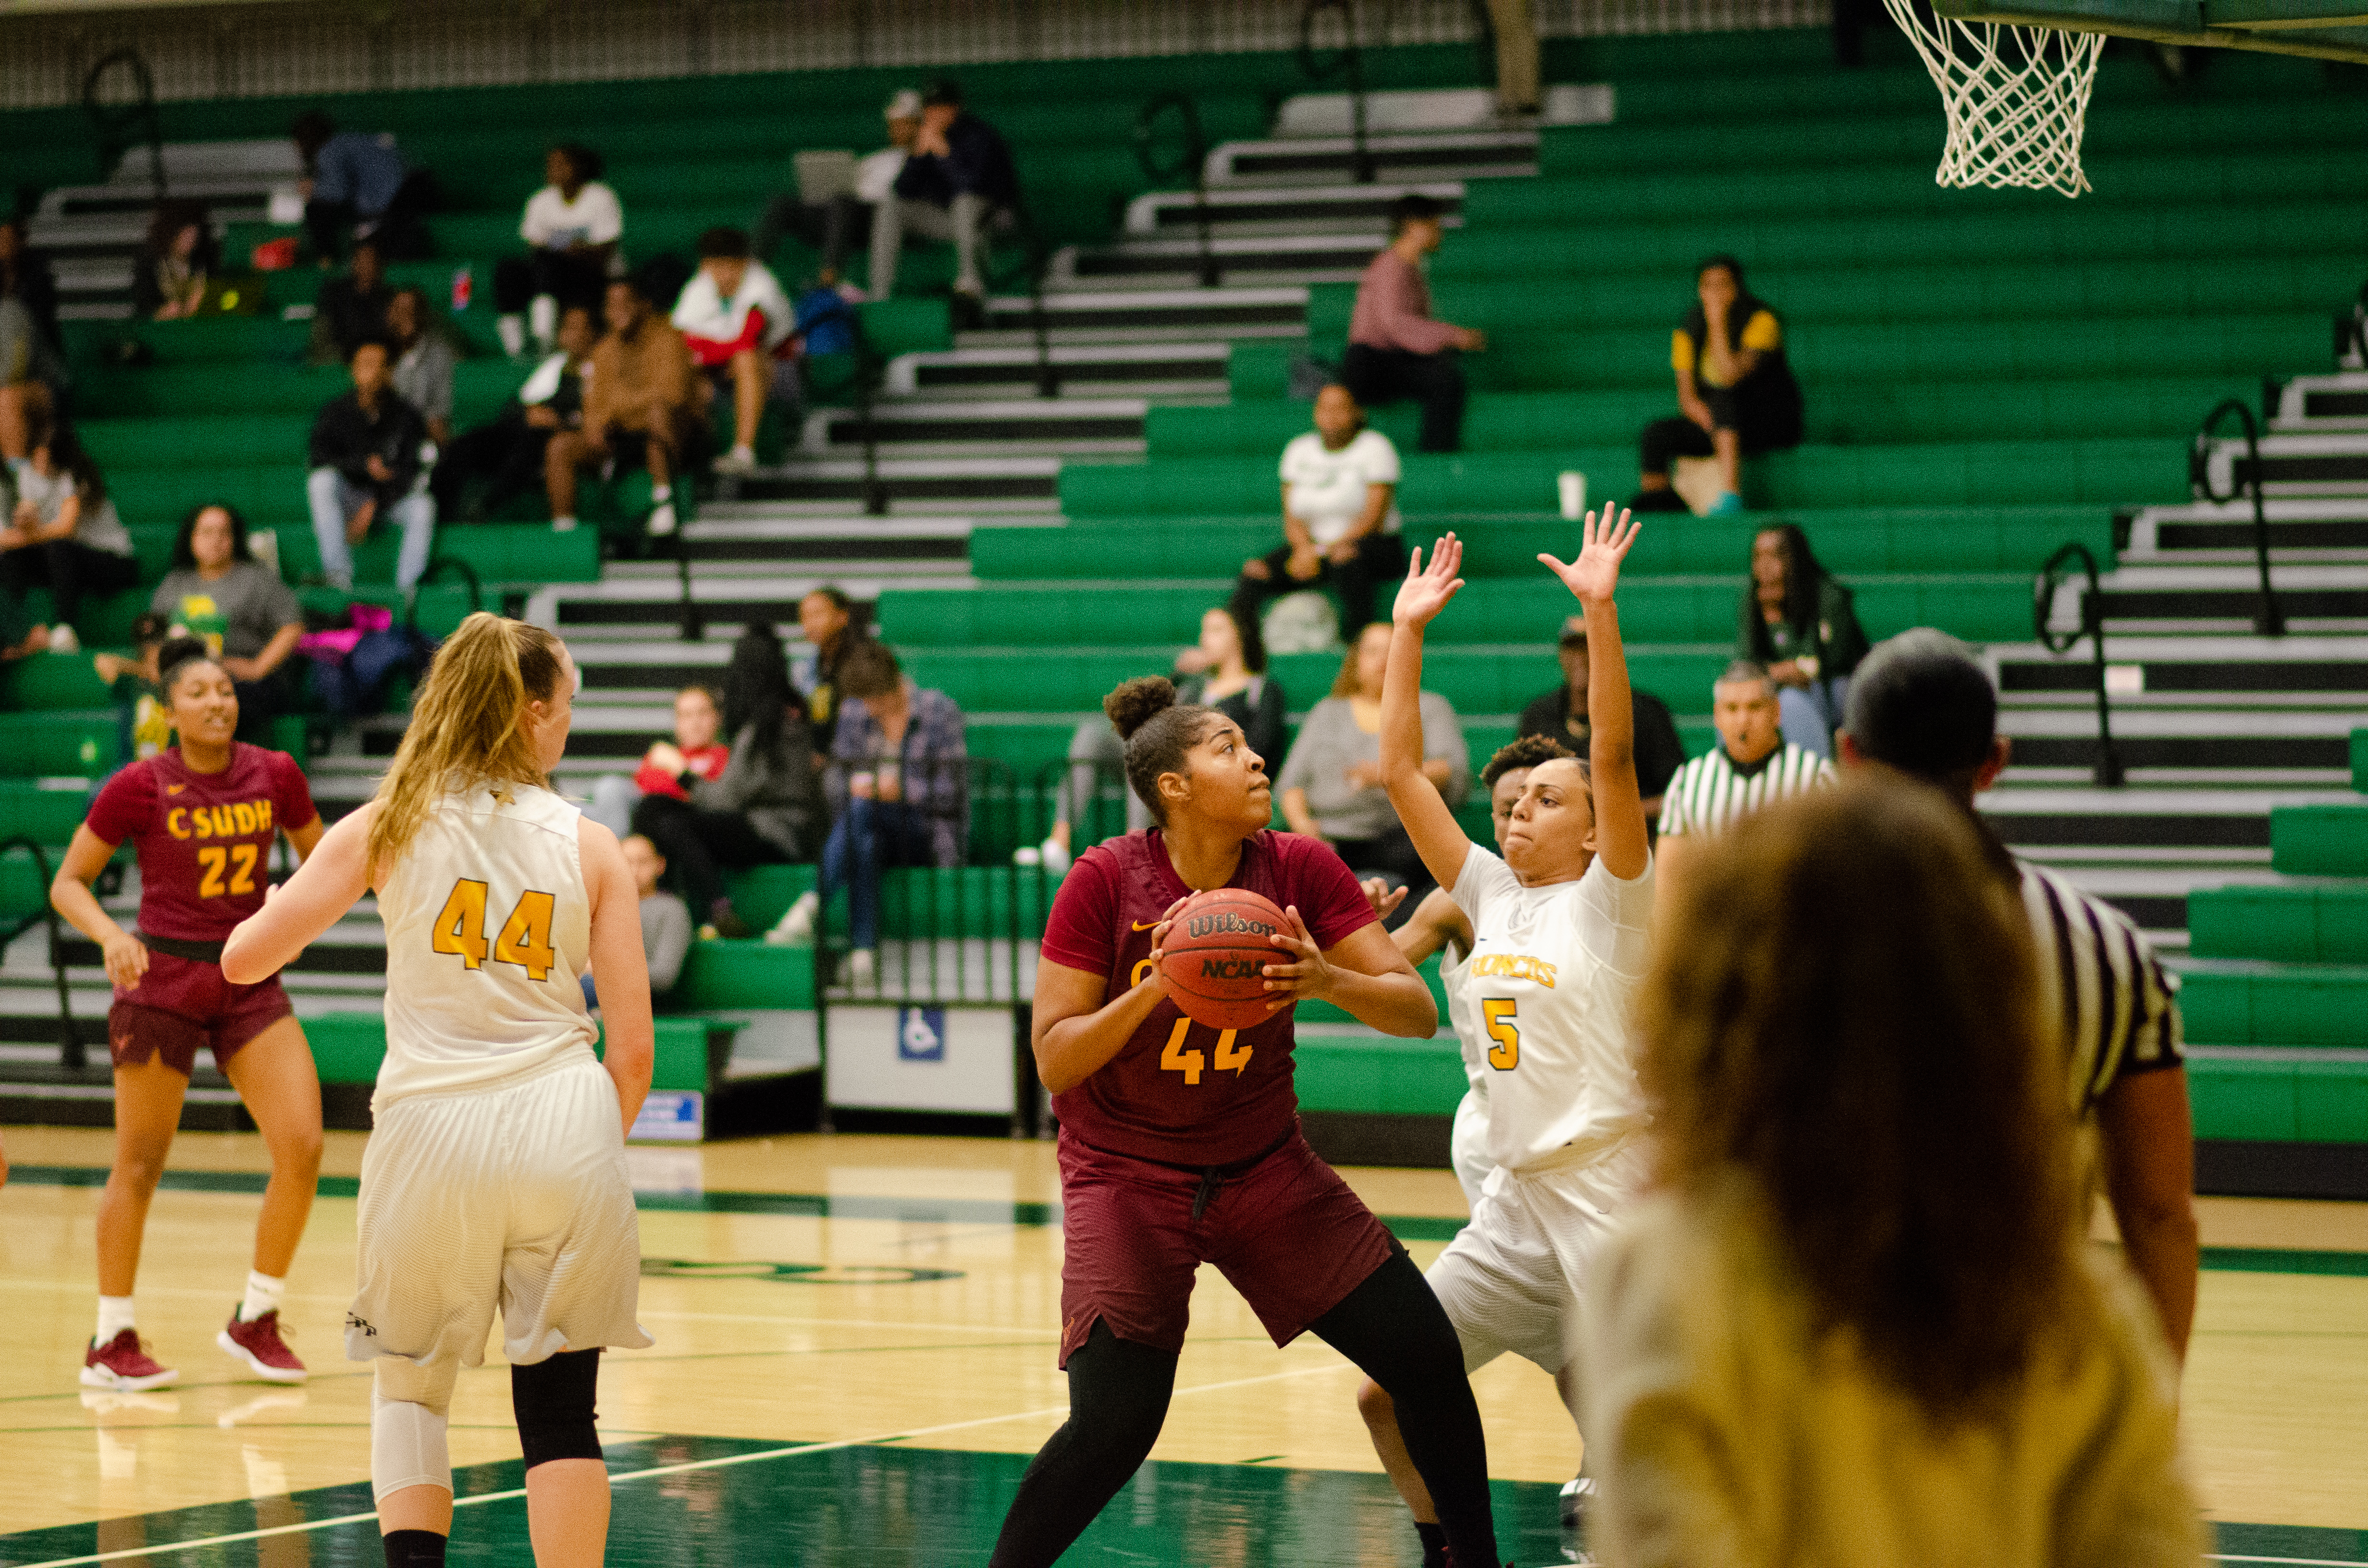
(1467, 1147)
(1510, 1280)
(514, 1197)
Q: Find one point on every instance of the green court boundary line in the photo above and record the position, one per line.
(1031, 1216)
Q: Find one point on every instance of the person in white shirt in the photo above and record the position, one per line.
(1752, 766)
(1559, 937)
(835, 226)
(495, 1172)
(1339, 517)
(742, 331)
(574, 225)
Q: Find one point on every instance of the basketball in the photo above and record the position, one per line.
(1215, 956)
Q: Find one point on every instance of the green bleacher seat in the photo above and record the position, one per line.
(2360, 760)
(348, 1046)
(1374, 1075)
(2262, 1003)
(2321, 841)
(52, 681)
(55, 744)
(2299, 925)
(743, 975)
(2279, 1101)
(42, 809)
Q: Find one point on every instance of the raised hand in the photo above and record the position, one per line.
(1603, 544)
(1427, 589)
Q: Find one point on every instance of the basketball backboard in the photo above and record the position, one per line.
(2333, 29)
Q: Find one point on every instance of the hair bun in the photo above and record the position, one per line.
(1135, 703)
(178, 650)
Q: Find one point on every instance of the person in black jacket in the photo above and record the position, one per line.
(1798, 619)
(957, 182)
(1562, 714)
(507, 453)
(366, 453)
(350, 306)
(1736, 392)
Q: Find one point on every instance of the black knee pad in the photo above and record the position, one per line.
(553, 1402)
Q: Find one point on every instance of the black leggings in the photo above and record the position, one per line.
(1391, 1327)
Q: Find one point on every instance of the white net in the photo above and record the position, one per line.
(2016, 97)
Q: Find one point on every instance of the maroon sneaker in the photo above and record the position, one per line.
(124, 1363)
(261, 1348)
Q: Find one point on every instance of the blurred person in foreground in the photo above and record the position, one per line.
(1858, 1323)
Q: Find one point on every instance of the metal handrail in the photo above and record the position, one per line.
(1350, 61)
(2108, 772)
(1039, 262)
(2268, 621)
(1195, 162)
(71, 1055)
(121, 129)
(869, 370)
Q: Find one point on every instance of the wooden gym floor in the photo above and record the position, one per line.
(855, 1357)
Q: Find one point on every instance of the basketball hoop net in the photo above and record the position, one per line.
(2016, 97)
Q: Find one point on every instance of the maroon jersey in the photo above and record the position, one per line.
(1182, 1092)
(204, 839)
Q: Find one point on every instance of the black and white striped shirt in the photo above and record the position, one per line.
(1711, 791)
(2104, 985)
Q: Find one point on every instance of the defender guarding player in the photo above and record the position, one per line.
(203, 815)
(495, 1175)
(1180, 1144)
(1558, 948)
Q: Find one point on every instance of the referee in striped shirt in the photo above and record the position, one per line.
(1752, 766)
(1921, 707)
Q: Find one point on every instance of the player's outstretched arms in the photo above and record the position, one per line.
(1076, 1030)
(620, 971)
(1435, 921)
(1437, 837)
(1620, 836)
(331, 879)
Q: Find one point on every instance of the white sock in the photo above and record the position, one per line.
(542, 317)
(114, 1317)
(660, 493)
(263, 1293)
(744, 451)
(563, 524)
(513, 334)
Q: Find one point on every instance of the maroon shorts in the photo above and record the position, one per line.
(1287, 1233)
(182, 1004)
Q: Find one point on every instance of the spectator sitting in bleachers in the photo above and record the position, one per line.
(217, 589)
(666, 922)
(834, 226)
(957, 185)
(742, 333)
(63, 533)
(764, 808)
(572, 225)
(1395, 349)
(1736, 392)
(1331, 788)
(641, 408)
(827, 620)
(1225, 670)
(694, 749)
(899, 786)
(32, 353)
(507, 452)
(424, 360)
(168, 277)
(1562, 714)
(133, 683)
(1339, 524)
(350, 305)
(26, 276)
(356, 186)
(1799, 620)
(365, 456)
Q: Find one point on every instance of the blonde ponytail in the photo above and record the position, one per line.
(468, 726)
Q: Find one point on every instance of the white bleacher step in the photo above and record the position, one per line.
(1140, 315)
(2303, 530)
(2069, 820)
(2291, 672)
(2303, 748)
(1137, 262)
(1404, 155)
(2317, 462)
(2320, 599)
(1164, 371)
(1065, 426)
(1297, 210)
(1440, 109)
(979, 483)
(2323, 404)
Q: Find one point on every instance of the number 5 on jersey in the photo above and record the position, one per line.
(525, 937)
(1497, 1014)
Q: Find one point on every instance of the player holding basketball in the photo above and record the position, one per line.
(1180, 1144)
(202, 816)
(1558, 947)
(495, 1174)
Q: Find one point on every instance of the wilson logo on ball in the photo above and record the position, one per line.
(1224, 923)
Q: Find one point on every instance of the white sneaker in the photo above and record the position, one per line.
(1055, 857)
(563, 524)
(795, 928)
(662, 519)
(739, 460)
(63, 641)
(1027, 854)
(512, 330)
(863, 969)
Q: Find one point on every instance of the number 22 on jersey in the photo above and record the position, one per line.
(524, 940)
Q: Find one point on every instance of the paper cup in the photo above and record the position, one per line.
(1571, 486)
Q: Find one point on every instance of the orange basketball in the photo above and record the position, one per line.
(1215, 956)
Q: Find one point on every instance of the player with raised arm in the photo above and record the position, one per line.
(1558, 948)
(495, 1174)
(202, 816)
(1181, 1144)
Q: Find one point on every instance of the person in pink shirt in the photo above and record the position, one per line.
(1396, 350)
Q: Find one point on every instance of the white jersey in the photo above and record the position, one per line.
(1546, 1010)
(488, 932)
